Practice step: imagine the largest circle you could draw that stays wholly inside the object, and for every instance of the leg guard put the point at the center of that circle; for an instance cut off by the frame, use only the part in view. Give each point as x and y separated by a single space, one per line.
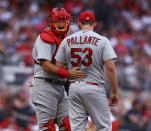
65 124
50 126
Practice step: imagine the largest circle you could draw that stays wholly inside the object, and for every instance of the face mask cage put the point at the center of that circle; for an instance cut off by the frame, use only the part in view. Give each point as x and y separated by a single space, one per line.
60 21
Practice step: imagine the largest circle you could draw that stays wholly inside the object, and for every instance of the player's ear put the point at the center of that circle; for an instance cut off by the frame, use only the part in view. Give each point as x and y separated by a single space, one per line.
94 24
79 24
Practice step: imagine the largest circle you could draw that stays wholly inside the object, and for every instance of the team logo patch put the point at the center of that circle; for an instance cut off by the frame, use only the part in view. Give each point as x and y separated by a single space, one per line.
87 18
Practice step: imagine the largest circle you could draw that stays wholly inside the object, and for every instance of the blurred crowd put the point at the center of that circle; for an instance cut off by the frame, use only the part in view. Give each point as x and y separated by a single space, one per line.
127 23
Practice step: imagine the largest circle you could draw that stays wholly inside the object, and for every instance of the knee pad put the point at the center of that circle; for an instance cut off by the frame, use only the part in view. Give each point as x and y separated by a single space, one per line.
50 126
65 124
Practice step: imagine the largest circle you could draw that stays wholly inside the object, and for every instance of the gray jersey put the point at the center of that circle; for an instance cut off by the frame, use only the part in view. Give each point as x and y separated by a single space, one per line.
45 51
89 51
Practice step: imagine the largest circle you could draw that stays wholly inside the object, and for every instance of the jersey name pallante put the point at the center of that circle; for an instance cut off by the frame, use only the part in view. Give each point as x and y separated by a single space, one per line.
87 40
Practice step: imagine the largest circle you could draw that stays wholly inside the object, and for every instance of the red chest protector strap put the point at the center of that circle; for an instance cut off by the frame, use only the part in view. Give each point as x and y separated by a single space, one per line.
48 37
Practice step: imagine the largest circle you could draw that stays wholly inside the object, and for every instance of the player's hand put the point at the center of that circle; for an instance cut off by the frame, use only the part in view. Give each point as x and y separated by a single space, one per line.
75 73
114 98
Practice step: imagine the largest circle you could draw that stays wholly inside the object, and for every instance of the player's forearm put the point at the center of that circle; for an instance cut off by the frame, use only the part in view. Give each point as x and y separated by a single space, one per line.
53 69
49 67
61 65
112 76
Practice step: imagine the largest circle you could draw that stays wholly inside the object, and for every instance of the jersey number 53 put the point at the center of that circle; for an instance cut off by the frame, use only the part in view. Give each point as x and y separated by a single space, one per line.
86 54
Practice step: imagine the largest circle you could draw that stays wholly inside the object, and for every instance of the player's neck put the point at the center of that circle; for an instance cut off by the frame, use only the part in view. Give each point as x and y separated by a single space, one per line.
87 27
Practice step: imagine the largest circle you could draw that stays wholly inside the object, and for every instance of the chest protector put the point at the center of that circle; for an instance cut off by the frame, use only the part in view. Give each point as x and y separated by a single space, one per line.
48 37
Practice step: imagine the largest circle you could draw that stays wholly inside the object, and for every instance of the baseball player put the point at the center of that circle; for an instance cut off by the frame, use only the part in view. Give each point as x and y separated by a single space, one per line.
93 53
47 94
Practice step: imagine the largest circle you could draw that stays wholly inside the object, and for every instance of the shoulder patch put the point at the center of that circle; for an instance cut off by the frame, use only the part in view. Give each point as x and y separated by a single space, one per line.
47 37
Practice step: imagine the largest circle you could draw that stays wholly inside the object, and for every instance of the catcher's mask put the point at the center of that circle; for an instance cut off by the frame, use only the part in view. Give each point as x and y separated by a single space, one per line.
59 21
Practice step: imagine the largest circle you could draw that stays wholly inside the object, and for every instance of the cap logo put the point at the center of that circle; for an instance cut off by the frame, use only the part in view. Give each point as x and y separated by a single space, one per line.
87 18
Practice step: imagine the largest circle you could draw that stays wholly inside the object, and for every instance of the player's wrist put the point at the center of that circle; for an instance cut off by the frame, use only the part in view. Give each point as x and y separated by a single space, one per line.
70 74
114 92
62 72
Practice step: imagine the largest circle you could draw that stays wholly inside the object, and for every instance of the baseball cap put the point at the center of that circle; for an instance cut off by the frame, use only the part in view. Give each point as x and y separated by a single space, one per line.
86 16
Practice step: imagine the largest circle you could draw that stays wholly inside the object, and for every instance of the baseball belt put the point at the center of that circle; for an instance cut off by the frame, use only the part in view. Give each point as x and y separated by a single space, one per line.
57 82
87 82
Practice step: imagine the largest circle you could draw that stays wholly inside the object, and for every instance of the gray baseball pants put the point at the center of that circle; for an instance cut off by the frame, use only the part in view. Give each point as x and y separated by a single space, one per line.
50 100
88 100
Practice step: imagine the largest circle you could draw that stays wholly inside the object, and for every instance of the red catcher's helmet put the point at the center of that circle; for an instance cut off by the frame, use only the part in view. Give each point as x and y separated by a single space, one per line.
59 21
